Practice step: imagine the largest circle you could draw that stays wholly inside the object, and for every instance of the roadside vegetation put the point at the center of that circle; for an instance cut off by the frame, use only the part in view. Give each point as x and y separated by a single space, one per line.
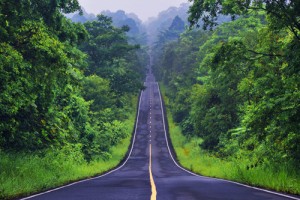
191 156
66 95
67 90
24 174
234 92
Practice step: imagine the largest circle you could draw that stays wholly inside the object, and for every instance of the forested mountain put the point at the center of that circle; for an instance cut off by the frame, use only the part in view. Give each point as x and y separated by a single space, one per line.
136 33
81 17
237 87
120 18
164 20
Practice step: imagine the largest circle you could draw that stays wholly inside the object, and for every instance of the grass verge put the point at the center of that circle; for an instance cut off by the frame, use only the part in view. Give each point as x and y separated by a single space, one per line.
22 175
280 177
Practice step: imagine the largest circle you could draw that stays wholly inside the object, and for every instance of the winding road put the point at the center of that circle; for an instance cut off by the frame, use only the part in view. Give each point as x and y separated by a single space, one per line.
150 171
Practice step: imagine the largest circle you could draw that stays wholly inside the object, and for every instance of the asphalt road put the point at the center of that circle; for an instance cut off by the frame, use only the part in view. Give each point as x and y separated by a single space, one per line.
150 171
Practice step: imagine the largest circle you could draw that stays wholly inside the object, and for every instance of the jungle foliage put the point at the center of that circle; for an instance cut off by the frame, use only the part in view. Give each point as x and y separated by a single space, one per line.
237 86
63 84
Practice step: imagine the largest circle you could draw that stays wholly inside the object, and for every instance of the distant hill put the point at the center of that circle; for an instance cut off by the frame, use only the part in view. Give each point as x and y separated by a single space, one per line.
137 32
164 20
120 18
151 30
76 17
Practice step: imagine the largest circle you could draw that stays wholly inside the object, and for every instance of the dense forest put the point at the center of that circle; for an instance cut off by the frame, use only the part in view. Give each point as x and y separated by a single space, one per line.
60 81
66 89
69 83
237 86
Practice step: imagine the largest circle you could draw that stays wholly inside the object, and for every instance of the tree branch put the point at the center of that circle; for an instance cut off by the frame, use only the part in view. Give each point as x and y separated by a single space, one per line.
265 54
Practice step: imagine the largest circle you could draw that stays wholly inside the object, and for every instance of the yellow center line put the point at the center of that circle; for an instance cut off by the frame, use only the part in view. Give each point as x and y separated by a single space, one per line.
153 187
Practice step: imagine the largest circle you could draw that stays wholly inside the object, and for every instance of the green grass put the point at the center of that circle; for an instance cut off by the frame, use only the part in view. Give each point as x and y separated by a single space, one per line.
280 177
22 175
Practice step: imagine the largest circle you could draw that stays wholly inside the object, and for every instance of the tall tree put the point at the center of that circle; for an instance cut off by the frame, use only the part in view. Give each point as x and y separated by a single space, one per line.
282 13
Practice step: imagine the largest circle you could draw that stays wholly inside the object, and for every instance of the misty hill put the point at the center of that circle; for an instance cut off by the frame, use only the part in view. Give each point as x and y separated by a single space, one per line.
151 31
120 18
76 17
164 20
137 32
172 33
157 26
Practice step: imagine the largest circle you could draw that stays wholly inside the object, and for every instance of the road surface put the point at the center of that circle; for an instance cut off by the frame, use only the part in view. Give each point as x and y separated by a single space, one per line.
150 171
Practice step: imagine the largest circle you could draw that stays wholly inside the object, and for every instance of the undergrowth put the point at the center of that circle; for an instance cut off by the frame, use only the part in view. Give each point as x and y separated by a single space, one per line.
274 176
25 174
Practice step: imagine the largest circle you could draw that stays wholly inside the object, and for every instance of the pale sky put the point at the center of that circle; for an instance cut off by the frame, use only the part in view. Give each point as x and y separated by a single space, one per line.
143 8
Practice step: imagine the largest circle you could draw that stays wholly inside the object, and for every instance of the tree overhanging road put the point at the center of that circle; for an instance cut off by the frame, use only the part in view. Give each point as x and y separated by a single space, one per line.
150 171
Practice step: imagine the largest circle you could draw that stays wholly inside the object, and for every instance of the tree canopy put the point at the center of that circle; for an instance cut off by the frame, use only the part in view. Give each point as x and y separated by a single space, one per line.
236 86
63 83
282 13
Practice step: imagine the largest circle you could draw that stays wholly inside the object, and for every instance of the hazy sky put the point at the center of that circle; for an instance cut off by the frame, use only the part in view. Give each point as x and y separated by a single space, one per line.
143 8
